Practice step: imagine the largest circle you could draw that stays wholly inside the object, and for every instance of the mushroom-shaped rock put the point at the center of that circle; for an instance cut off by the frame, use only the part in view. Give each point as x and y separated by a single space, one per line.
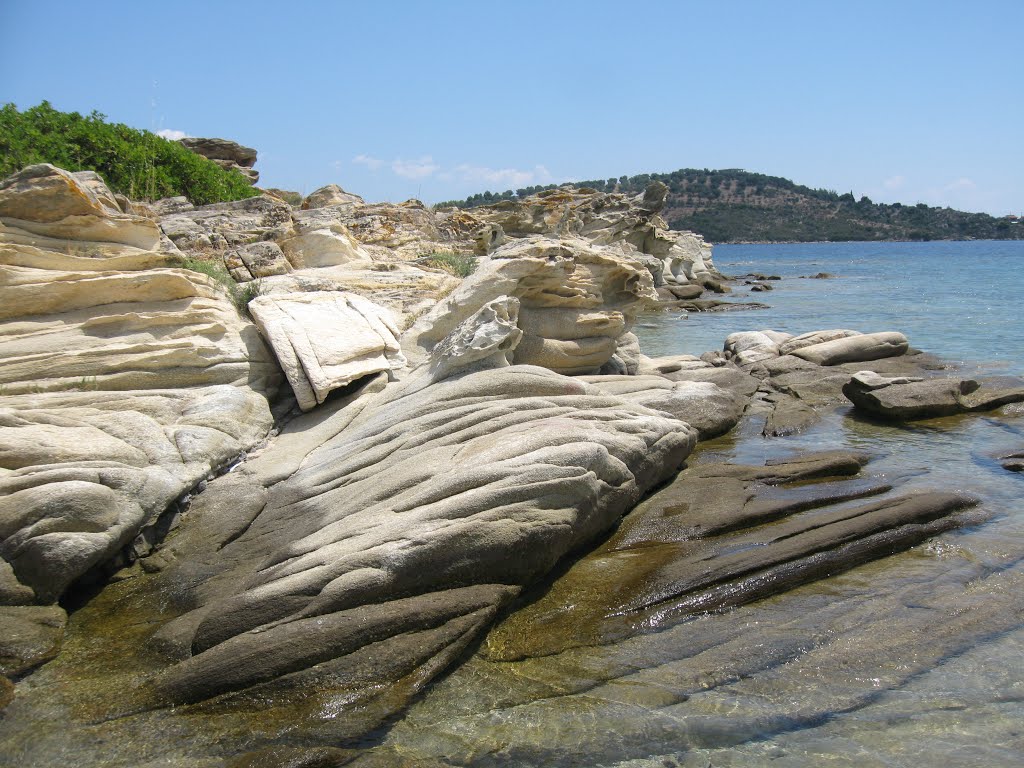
576 301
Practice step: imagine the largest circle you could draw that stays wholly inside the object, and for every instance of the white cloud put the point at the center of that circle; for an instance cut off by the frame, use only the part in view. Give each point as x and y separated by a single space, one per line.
415 169
894 183
508 178
171 135
962 194
370 162
963 183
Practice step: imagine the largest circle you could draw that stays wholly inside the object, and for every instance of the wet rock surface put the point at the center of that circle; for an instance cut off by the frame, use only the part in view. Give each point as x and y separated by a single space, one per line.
436 570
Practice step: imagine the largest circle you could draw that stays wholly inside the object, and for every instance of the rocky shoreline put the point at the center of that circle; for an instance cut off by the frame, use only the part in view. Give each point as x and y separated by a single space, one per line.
412 455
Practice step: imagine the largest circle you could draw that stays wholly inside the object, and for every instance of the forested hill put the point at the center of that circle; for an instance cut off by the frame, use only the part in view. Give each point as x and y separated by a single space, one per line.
739 206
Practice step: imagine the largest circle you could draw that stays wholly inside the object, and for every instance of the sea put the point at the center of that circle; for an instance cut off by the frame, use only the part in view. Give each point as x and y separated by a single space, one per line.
914 659
959 300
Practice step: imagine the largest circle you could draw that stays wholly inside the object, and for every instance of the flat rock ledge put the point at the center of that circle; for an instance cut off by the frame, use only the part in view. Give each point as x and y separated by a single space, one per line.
908 398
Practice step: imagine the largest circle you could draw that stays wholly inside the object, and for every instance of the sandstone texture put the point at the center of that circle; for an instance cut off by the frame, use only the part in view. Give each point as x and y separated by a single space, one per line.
576 302
125 381
483 480
42 200
267 589
326 340
630 224
330 195
229 155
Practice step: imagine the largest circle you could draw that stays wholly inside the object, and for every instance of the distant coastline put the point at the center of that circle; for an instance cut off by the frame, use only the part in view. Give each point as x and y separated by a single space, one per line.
737 206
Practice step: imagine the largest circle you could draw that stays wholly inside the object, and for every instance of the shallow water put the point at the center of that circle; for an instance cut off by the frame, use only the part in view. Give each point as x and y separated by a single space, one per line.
959 300
914 659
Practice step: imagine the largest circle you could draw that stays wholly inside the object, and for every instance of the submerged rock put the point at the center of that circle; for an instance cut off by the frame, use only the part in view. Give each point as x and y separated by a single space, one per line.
723 535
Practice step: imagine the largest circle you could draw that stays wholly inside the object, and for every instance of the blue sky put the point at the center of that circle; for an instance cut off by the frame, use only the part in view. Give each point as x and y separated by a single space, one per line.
901 101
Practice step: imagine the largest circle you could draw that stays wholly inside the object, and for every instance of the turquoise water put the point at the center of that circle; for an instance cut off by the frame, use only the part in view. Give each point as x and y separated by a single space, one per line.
959 300
912 660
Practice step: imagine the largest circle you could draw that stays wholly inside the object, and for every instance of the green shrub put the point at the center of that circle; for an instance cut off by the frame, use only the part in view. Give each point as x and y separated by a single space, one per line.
459 264
138 164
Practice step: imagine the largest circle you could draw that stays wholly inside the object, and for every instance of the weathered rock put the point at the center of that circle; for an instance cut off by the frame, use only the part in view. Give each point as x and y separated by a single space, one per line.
723 535
747 348
814 337
229 155
221 149
111 323
50 202
728 377
332 194
406 290
630 224
125 382
256 260
705 406
1013 462
319 239
670 364
576 301
486 340
903 399
220 225
29 636
855 349
84 472
325 341
687 291
483 480
788 415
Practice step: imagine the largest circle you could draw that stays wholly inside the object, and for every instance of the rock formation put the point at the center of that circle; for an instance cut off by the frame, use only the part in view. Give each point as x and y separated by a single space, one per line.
229 155
577 301
326 340
308 594
125 381
630 224
905 398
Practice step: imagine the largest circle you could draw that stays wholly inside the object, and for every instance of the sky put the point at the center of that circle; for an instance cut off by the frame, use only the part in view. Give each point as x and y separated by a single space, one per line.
902 101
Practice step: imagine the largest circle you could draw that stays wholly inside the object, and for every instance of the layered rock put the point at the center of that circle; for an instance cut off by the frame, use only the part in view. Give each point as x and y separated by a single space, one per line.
222 225
631 224
318 238
229 155
125 381
326 340
724 534
577 301
45 201
427 507
330 195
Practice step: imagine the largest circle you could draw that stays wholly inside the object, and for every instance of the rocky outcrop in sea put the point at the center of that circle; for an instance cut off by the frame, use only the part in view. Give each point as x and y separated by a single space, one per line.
285 470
